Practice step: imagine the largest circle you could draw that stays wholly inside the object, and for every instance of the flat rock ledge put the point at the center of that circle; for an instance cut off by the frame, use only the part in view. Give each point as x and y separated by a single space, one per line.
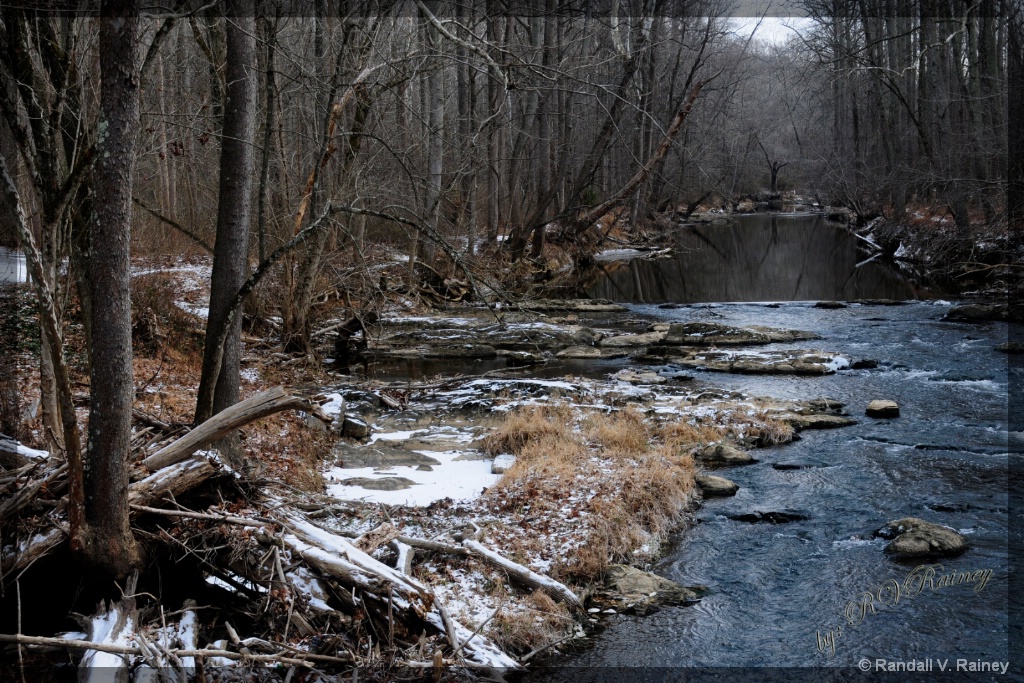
913 537
724 455
716 487
382 484
781 362
635 591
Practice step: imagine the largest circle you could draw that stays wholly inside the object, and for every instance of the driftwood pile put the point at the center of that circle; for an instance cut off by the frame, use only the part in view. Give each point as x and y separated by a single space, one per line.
320 598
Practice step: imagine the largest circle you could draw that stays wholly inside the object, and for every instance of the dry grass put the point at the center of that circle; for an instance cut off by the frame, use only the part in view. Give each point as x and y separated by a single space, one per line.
529 426
614 483
536 621
769 431
684 435
622 432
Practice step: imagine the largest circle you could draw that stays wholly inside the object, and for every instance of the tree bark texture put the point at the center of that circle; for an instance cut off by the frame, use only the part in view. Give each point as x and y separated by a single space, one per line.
231 250
107 543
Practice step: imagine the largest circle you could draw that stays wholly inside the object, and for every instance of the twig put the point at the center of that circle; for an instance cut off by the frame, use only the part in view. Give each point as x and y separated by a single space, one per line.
203 515
478 629
295 657
540 649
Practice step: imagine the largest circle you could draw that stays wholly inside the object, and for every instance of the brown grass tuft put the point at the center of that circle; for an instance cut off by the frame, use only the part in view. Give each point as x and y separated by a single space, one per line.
769 431
622 431
684 435
530 426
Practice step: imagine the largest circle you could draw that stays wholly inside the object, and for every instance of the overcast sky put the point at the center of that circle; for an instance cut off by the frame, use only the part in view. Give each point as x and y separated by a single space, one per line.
772 29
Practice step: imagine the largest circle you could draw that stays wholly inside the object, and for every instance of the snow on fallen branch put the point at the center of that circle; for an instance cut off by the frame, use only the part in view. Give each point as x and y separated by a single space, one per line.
556 590
251 409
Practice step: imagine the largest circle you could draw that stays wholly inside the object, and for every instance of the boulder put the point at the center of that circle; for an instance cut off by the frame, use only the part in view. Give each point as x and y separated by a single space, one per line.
640 592
879 302
522 358
864 364
781 362
712 334
976 313
830 304
354 428
712 486
460 351
502 463
771 517
576 305
882 408
724 455
913 537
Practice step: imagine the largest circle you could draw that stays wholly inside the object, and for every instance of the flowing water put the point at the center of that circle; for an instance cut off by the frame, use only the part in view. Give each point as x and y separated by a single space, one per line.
807 593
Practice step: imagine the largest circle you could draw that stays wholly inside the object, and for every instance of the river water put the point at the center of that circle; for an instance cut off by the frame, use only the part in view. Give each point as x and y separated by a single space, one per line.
782 595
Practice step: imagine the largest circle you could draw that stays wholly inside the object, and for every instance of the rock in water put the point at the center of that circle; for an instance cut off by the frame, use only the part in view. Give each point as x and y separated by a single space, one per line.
883 408
830 304
913 537
642 592
724 455
712 486
771 517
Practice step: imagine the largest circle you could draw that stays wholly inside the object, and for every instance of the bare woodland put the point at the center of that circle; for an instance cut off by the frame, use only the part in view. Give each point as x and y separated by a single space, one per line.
302 145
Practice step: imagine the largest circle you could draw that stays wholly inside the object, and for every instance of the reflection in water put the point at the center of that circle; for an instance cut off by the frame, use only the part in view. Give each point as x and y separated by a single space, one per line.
756 258
12 267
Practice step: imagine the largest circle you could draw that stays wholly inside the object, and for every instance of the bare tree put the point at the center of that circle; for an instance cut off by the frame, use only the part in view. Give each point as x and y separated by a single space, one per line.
231 254
106 540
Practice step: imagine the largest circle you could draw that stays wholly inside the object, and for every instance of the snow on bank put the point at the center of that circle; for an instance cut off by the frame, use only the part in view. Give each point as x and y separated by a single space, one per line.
452 478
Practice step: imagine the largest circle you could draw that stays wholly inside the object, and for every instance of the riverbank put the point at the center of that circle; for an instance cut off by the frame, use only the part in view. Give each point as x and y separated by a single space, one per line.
983 261
599 469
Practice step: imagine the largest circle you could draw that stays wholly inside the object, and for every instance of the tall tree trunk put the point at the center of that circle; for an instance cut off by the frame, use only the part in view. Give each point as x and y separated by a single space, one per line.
269 123
231 255
108 544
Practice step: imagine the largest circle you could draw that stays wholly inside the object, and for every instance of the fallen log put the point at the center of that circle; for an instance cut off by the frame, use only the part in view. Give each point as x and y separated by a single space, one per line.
13 455
336 557
27 493
223 423
114 626
524 575
174 480
339 557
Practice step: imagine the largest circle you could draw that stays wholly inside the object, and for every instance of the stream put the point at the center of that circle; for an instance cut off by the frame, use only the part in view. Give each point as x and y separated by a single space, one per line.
792 595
